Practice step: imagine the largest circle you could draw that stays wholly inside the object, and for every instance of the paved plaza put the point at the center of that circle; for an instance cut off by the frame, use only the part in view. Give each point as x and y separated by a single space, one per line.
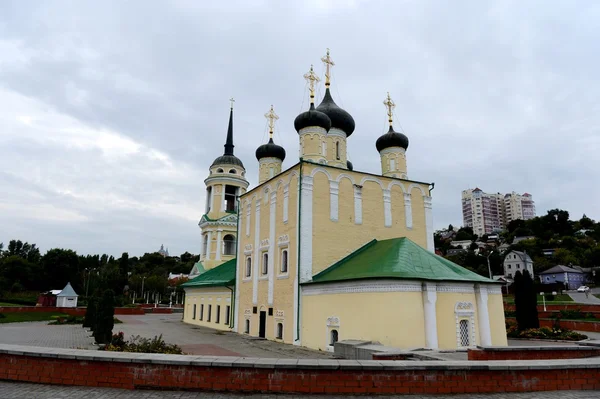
193 340
28 391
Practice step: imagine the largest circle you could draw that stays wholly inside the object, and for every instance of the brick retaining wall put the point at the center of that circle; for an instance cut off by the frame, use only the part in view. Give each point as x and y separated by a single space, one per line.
577 325
143 371
69 311
532 353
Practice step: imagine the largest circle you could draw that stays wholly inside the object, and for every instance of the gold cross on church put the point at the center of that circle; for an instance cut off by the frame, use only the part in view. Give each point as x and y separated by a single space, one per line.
328 64
272 117
312 79
389 104
231 100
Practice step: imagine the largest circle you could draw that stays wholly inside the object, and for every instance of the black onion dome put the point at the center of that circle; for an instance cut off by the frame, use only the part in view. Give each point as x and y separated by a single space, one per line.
339 118
349 165
227 160
391 139
270 150
312 117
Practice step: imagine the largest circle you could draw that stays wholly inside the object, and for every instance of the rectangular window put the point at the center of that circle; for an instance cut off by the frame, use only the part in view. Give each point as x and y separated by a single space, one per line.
284 261
248 266
218 315
201 311
392 164
227 311
194 312
324 148
271 171
209 312
265 263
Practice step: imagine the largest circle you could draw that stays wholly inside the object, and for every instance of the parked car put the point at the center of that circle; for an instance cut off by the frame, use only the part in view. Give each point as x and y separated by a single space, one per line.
583 288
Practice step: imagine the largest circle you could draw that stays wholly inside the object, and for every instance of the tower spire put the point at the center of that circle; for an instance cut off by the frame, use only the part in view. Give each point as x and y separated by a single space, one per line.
328 64
312 79
229 142
272 117
390 105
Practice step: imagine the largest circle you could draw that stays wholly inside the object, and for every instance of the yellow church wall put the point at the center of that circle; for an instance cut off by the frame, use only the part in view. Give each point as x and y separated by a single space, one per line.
446 318
326 232
285 237
497 322
217 298
311 143
364 316
331 151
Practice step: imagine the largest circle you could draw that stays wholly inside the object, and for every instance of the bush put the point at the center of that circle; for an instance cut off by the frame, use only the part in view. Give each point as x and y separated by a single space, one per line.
91 313
66 320
543 333
142 345
105 320
550 297
2 316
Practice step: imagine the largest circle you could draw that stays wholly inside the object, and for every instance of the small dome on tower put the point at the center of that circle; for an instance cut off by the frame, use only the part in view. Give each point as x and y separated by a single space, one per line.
227 160
349 166
339 118
270 150
391 139
312 117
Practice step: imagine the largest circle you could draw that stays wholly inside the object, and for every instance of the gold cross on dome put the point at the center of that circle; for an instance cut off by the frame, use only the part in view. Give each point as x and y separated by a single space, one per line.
231 100
272 117
389 104
312 79
328 64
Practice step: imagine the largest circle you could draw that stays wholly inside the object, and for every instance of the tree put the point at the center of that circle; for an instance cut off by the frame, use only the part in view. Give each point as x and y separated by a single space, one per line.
91 314
520 301
530 303
106 318
450 227
60 266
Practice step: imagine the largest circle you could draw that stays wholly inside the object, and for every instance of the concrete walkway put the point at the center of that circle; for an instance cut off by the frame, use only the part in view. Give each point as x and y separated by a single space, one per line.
580 297
28 391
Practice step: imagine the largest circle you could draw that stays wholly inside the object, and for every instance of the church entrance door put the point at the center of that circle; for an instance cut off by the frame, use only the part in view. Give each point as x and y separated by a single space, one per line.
262 327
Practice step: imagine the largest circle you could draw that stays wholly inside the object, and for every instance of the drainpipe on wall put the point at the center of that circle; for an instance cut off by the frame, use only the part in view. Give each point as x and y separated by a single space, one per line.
431 187
299 249
232 311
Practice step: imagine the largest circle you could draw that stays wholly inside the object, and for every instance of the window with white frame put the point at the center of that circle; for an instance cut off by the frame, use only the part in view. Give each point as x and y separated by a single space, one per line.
464 333
194 312
248 266
265 263
392 164
227 312
271 171
279 330
229 245
284 261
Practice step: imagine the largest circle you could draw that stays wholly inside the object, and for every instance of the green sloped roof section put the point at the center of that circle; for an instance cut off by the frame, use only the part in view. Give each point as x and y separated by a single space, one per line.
220 276
396 258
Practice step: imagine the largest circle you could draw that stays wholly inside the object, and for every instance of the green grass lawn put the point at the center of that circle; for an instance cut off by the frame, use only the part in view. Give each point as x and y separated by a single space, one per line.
8 304
558 299
597 296
28 316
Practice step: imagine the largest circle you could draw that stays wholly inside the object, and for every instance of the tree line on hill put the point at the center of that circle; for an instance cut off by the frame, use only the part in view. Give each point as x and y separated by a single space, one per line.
24 272
555 240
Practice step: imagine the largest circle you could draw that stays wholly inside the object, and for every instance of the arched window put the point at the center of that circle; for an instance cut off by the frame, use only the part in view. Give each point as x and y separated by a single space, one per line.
247 329
337 150
464 333
279 330
219 170
232 171
271 171
248 266
205 246
265 263
392 164
229 245
333 337
284 261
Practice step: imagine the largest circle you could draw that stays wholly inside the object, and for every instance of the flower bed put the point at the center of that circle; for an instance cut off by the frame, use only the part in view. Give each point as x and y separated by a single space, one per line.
562 334
142 345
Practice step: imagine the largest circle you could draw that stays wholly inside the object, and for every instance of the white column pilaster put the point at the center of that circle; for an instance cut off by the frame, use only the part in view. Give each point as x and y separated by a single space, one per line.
306 229
387 208
222 198
256 260
408 210
208 244
212 198
201 245
429 304
485 332
219 244
357 205
429 222
334 190
272 216
248 211
286 200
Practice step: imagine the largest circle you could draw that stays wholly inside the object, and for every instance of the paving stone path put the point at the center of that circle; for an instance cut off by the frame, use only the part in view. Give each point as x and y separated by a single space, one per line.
29 391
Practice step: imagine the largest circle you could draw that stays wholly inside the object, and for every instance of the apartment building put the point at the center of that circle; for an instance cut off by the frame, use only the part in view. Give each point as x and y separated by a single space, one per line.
486 213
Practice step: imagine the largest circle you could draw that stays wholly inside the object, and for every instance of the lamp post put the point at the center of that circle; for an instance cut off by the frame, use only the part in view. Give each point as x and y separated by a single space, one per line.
488 262
143 278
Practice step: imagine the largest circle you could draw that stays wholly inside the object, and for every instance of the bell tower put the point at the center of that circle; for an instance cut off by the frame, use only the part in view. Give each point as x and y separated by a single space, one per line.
225 183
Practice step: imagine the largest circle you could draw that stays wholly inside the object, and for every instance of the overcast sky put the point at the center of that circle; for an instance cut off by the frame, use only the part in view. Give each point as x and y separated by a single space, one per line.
112 111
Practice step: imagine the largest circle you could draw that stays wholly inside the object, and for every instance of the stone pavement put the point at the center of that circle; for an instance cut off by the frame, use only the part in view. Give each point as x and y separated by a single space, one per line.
15 390
39 333
580 297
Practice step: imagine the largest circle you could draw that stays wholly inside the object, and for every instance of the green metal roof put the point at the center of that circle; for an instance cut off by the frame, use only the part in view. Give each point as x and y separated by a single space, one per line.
396 258
222 275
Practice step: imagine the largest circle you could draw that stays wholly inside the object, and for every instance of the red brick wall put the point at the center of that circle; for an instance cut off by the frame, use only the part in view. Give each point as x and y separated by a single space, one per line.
591 326
574 306
490 354
69 311
133 375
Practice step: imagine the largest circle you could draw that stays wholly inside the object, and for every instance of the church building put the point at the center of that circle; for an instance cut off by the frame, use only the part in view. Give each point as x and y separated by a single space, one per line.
320 252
